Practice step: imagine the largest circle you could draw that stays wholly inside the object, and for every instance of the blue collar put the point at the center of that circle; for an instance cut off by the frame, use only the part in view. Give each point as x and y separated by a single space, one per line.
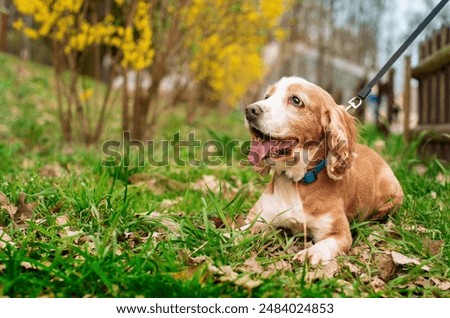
311 175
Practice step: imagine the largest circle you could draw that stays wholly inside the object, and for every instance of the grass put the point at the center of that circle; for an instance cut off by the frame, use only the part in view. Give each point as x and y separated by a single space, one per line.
94 232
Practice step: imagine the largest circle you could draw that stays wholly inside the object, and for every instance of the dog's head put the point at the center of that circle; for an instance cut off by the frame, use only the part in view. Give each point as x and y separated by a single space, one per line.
294 117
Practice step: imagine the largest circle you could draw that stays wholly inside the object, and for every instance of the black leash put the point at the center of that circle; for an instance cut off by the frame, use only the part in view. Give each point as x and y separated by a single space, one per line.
356 101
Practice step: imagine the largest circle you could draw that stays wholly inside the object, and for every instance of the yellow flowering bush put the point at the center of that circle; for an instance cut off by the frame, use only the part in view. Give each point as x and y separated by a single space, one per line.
226 39
65 22
220 41
77 28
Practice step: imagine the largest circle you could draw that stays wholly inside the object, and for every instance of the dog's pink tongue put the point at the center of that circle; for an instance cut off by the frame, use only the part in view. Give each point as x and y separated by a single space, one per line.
259 150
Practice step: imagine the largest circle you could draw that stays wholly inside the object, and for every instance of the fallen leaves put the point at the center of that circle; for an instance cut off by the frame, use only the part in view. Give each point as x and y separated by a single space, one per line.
247 282
167 203
433 247
377 284
21 213
51 171
329 270
386 267
442 285
156 183
24 210
5 239
401 259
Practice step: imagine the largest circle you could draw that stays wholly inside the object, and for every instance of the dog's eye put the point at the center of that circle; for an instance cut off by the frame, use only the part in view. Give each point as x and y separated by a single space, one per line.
294 100
266 96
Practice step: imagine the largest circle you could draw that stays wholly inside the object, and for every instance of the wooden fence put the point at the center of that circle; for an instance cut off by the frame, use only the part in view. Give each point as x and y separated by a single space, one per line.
433 74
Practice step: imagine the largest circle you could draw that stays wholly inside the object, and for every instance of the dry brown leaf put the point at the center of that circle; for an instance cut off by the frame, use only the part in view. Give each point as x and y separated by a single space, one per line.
228 274
442 285
51 171
186 257
24 210
188 273
272 269
20 213
3 199
269 272
28 164
5 239
8 206
62 220
401 259
282 265
11 209
327 271
422 282
251 265
433 246
213 269
346 287
247 282
85 239
27 265
167 203
198 259
67 232
362 252
417 228
354 269
377 284
386 266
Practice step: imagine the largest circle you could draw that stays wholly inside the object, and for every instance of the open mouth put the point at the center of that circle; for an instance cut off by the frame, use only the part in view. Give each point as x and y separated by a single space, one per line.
264 146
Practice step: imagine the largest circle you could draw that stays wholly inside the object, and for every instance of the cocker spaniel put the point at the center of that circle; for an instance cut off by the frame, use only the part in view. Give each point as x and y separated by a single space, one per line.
322 178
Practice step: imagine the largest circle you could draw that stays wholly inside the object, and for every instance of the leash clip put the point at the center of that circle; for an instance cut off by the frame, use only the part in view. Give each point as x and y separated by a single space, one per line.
354 103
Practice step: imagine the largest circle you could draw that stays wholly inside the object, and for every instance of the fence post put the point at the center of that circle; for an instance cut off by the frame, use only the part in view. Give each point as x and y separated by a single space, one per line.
407 97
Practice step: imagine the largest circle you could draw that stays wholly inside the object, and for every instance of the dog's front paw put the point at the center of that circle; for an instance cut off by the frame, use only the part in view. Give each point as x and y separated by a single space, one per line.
316 254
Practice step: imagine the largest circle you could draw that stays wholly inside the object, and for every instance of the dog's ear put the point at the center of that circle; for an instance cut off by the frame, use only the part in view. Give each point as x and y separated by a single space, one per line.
340 136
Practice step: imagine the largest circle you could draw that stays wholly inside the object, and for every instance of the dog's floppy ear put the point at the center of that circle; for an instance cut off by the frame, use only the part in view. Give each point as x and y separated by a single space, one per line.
340 135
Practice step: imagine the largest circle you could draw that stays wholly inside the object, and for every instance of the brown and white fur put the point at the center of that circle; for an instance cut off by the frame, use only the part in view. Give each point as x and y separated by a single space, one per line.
356 183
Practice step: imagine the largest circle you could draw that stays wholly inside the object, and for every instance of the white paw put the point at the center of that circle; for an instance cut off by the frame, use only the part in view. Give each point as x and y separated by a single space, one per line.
315 255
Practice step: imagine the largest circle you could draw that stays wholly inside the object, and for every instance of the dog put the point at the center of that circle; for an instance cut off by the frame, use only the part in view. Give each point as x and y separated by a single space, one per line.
322 178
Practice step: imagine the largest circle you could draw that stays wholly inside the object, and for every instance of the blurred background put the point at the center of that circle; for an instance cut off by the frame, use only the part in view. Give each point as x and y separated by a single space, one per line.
143 58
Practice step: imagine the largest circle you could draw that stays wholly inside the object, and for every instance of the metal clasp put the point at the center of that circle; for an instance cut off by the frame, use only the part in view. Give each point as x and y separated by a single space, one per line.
354 103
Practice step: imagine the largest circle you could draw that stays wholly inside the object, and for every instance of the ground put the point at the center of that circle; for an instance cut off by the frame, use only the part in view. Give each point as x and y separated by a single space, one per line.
71 227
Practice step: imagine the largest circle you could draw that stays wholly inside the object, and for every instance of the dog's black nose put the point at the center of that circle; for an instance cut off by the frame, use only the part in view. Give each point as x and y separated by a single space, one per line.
252 112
